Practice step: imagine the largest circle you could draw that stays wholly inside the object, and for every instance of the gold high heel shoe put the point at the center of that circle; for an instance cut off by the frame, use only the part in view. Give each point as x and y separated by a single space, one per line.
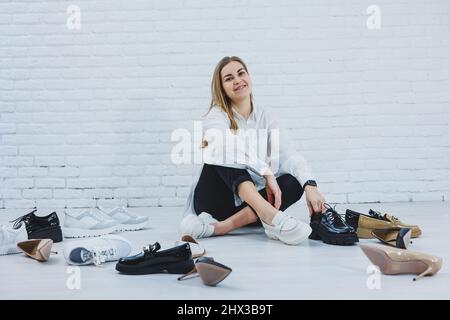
395 237
397 261
38 249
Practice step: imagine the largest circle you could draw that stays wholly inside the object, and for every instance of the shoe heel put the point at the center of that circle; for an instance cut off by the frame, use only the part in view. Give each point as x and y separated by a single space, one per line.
181 267
364 233
314 235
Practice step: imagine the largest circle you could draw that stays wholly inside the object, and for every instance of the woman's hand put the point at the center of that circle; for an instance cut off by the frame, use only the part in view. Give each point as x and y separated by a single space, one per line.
314 200
273 191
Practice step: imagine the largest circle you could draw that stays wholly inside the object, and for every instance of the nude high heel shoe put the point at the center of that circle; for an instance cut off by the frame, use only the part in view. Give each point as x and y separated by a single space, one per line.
38 249
210 271
395 237
392 260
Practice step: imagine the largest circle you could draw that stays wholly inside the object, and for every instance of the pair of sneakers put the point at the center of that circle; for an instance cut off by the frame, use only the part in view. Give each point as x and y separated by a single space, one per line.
283 227
92 223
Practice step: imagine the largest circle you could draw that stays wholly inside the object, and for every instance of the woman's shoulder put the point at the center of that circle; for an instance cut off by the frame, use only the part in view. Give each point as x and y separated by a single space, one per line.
215 114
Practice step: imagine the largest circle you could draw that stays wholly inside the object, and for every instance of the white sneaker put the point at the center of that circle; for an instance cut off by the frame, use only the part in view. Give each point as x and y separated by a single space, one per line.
195 227
9 237
87 223
126 221
207 218
287 229
96 251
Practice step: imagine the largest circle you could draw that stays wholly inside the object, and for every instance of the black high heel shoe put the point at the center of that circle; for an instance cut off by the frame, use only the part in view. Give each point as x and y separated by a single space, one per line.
394 237
210 271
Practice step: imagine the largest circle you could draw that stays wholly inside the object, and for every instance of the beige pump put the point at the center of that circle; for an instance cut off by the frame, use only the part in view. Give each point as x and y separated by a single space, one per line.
392 260
38 249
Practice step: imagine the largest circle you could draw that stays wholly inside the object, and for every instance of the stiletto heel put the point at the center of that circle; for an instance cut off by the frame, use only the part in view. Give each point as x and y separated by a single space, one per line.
426 272
392 260
210 271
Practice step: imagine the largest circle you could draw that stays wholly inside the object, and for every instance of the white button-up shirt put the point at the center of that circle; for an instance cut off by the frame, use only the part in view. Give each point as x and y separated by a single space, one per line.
274 153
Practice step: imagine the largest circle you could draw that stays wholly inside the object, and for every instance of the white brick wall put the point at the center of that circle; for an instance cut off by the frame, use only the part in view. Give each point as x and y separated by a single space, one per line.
86 115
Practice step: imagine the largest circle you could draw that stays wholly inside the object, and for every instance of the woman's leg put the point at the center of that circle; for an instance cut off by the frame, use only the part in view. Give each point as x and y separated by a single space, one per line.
215 194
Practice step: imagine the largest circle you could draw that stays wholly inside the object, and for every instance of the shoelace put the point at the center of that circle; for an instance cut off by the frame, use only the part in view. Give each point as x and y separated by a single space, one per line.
17 222
101 255
333 214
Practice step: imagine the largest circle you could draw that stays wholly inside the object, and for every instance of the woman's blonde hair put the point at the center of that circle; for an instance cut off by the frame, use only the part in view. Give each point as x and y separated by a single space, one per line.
218 95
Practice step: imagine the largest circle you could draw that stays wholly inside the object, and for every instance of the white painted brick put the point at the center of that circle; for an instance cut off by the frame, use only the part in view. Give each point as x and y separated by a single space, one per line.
49 161
158 192
51 205
19 204
97 193
172 201
52 183
129 193
6 172
32 172
177 180
67 193
81 203
10 194
109 203
144 181
37 193
64 172
143 202
19 183
18 161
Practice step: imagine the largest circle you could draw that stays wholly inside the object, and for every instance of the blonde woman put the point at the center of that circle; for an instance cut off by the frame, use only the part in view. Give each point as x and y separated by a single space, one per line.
238 187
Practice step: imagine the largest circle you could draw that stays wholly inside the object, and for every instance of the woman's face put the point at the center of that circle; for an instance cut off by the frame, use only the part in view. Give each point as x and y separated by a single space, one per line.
235 81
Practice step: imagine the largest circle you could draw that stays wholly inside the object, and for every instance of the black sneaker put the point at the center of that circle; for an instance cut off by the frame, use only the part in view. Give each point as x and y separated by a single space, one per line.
332 229
40 227
176 260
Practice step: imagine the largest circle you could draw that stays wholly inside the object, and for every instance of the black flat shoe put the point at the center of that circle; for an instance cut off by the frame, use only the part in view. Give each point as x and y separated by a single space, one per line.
210 271
177 260
331 228
47 227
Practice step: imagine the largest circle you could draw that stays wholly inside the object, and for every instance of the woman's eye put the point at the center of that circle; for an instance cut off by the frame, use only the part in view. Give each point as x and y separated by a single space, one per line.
241 73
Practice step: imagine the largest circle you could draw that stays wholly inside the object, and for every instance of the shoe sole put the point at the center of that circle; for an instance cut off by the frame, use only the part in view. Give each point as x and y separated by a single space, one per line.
294 242
366 233
333 239
211 275
389 266
131 227
54 233
9 249
87 233
181 267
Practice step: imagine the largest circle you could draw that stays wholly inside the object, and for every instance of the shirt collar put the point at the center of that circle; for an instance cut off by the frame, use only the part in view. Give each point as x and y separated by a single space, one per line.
252 115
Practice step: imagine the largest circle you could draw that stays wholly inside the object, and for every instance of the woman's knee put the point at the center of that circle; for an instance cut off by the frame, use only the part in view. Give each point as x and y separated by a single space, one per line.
290 187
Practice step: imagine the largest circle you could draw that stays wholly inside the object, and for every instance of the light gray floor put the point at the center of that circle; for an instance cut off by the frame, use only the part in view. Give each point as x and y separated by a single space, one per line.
262 268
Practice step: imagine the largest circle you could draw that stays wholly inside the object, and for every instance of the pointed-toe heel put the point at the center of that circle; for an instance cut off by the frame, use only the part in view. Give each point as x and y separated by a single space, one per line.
392 261
38 249
395 237
210 271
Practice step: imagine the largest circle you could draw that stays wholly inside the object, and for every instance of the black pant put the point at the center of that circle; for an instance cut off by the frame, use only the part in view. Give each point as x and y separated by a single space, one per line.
215 190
